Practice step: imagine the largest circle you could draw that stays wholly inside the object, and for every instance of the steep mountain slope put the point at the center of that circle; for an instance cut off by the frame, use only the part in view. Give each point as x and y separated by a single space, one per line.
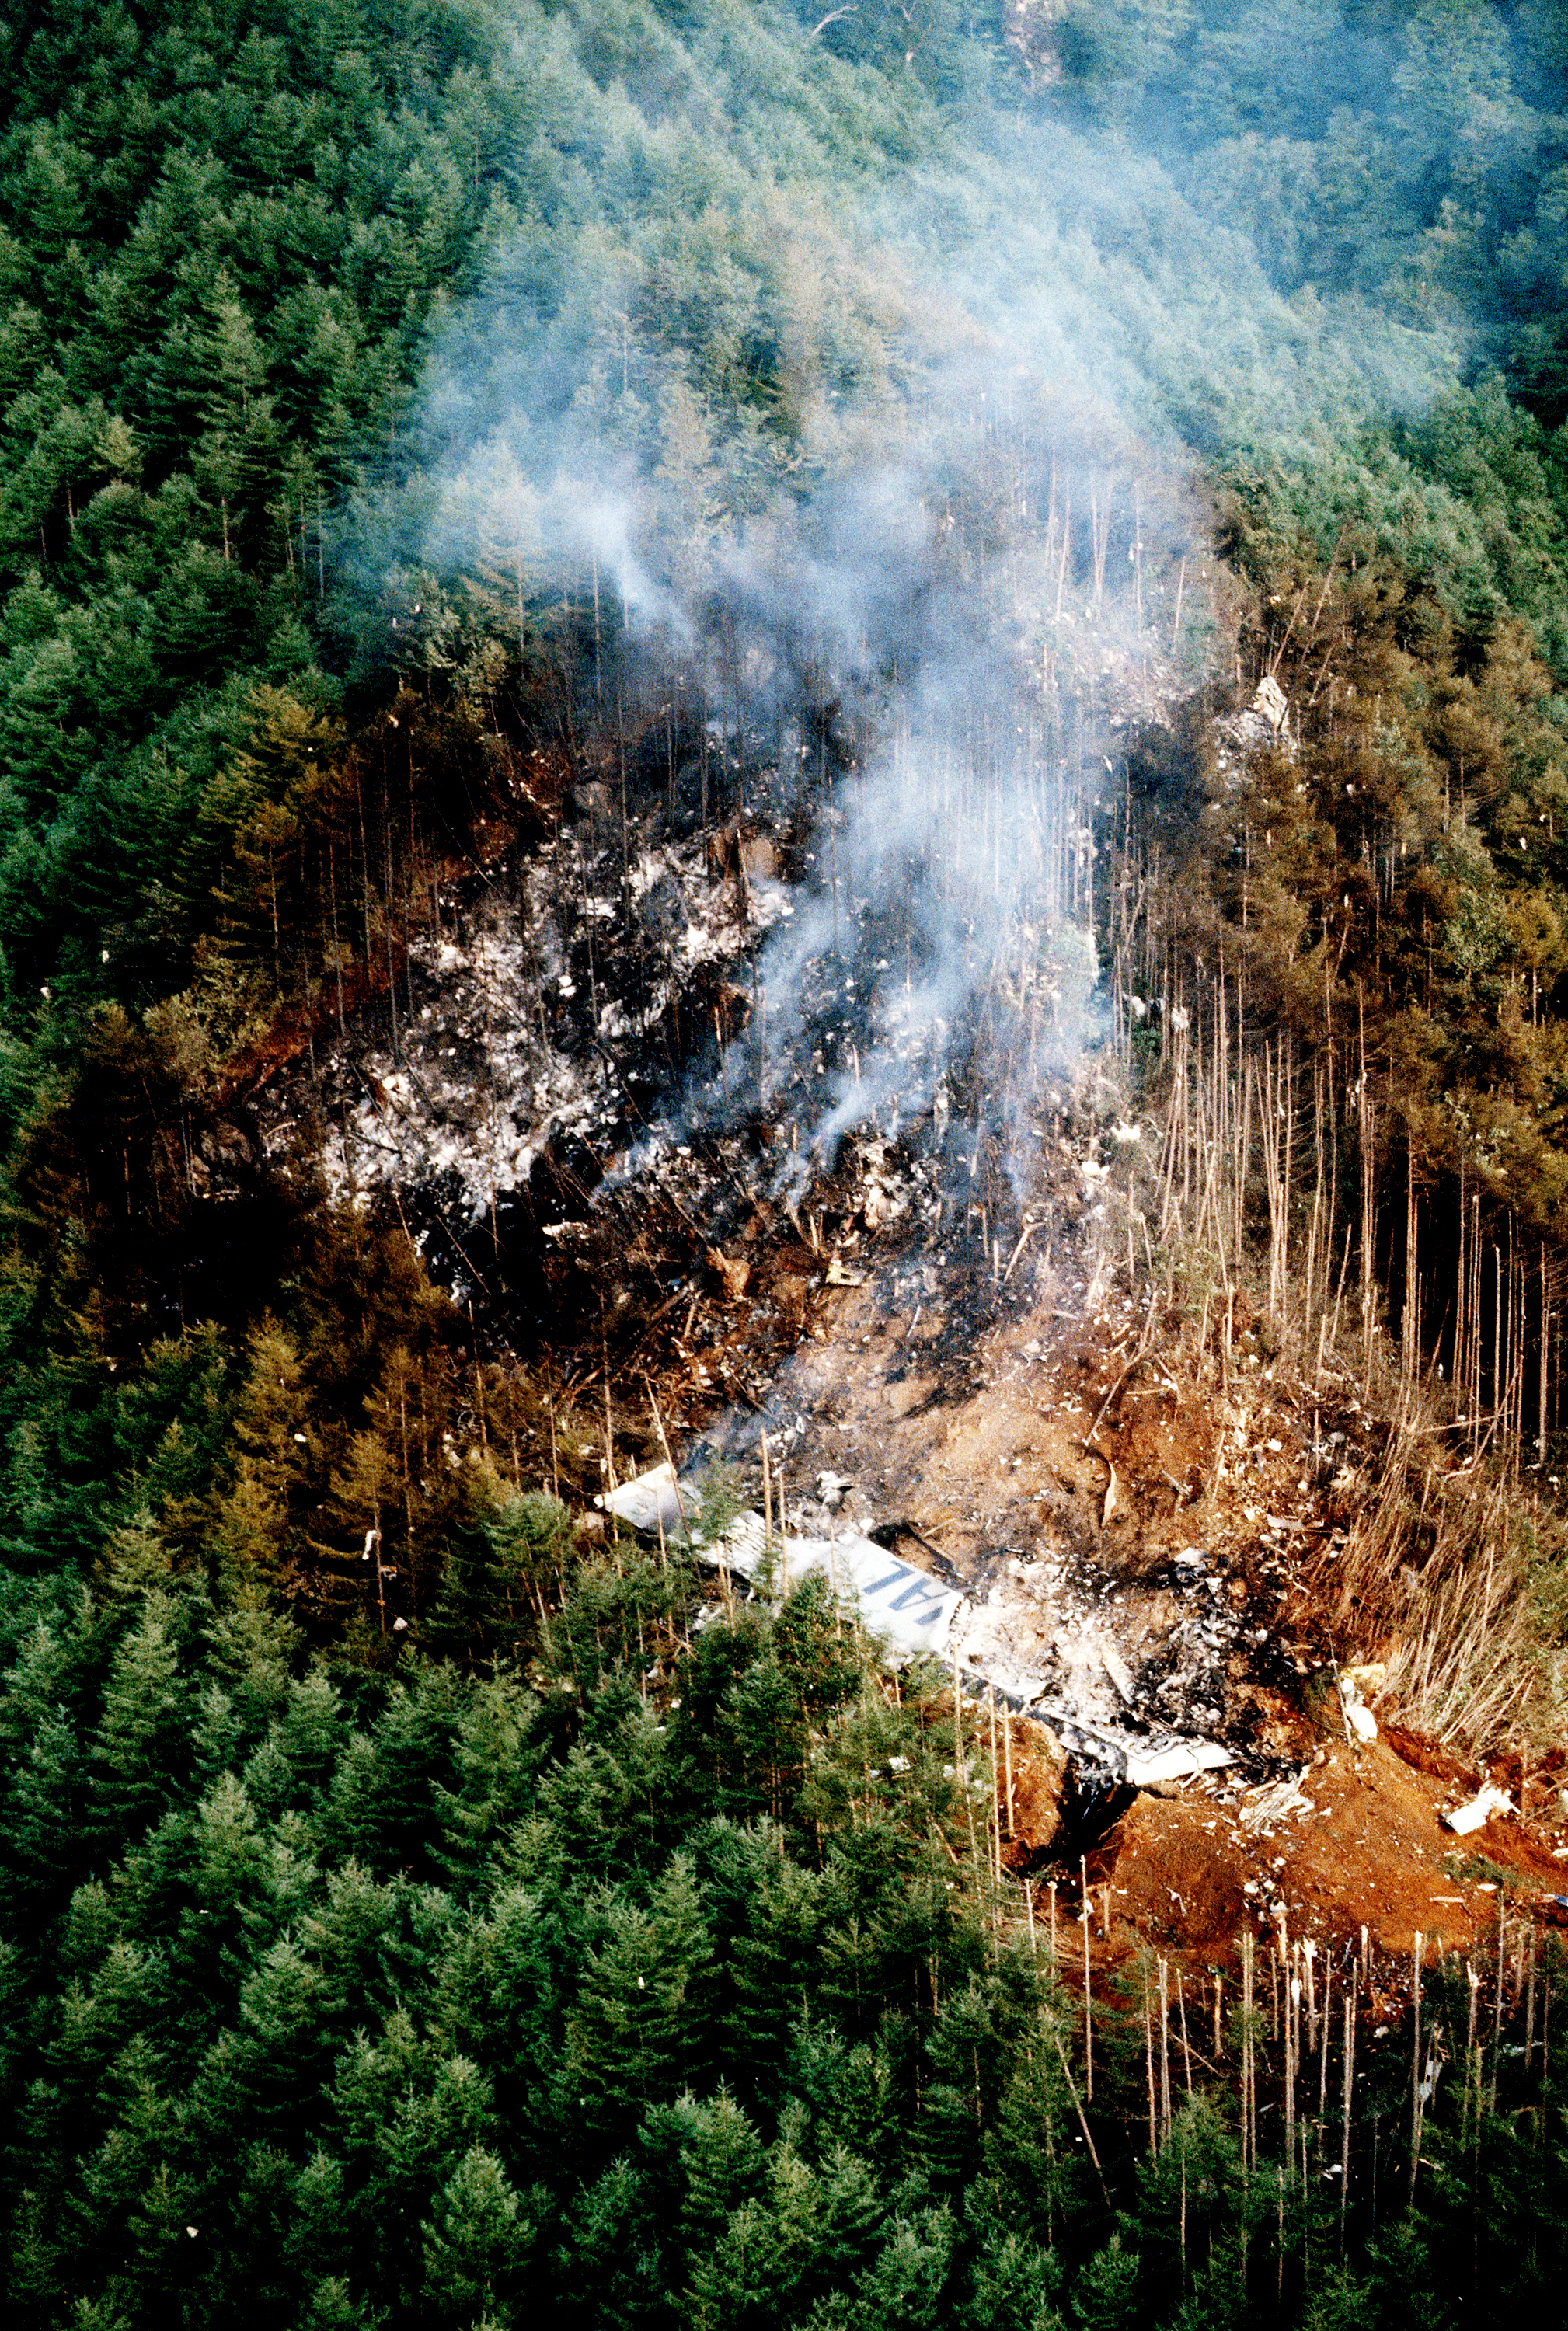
833 746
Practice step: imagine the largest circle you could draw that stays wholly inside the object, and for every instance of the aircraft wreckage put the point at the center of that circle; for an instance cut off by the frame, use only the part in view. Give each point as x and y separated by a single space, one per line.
907 1610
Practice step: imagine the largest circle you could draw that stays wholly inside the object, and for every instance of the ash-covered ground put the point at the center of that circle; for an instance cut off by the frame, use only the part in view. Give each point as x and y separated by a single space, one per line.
825 1141
943 1312
1124 1531
943 1319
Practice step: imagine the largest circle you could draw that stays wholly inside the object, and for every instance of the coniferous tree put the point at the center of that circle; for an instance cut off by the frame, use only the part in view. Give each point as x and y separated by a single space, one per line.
141 1733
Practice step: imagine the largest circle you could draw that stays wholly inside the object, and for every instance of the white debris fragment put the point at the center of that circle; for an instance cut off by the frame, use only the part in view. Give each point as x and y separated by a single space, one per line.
652 1500
1265 1806
1465 1819
1358 1717
908 1609
1117 1668
1269 699
1144 1764
1147 1768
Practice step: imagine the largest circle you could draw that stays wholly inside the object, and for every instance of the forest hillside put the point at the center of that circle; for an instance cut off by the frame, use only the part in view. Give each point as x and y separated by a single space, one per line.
820 748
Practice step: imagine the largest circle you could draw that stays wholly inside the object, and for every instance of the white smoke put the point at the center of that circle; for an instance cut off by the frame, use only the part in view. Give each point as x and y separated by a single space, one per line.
976 556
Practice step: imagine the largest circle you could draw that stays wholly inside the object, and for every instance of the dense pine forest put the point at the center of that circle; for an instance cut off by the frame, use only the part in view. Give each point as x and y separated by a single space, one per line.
442 438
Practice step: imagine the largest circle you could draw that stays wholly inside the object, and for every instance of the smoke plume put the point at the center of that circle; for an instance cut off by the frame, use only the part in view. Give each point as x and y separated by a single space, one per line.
915 587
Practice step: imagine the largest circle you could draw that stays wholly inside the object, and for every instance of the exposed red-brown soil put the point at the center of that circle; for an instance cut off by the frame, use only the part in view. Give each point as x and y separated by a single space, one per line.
998 1427
1183 1873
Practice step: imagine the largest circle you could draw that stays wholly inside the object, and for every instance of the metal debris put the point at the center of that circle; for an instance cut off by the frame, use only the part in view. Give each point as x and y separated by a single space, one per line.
653 1502
906 1609
1147 1768
1274 1803
1117 1668
1359 1719
1466 1818
909 1610
1139 1763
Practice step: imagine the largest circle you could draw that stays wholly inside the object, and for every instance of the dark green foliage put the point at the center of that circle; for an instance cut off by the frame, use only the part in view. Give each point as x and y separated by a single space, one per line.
474 1943
496 1574
393 2022
224 237
350 1999
268 279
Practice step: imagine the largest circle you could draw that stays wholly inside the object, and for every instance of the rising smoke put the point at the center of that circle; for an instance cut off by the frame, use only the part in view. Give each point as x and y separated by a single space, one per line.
916 602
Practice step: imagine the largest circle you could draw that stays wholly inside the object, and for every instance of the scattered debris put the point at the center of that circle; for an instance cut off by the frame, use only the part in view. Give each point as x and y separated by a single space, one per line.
616 1098
1275 1802
1148 1767
1466 1818
1117 1668
1136 1764
653 1503
1359 1719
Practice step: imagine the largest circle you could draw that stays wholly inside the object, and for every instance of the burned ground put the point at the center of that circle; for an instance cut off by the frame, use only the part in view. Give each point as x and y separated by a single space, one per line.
954 1338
